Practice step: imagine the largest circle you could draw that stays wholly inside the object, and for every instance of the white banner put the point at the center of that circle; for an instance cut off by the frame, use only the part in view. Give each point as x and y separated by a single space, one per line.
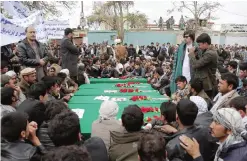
16 9
231 28
55 29
9 26
10 33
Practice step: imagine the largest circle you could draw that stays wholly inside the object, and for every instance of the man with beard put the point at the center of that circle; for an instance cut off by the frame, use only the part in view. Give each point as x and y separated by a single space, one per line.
33 53
28 77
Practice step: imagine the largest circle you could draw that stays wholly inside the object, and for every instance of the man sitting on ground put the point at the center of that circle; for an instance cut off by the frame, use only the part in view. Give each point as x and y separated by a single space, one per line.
123 144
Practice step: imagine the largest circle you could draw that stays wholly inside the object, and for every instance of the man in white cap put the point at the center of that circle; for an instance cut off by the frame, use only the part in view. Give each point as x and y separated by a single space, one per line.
120 50
226 126
28 77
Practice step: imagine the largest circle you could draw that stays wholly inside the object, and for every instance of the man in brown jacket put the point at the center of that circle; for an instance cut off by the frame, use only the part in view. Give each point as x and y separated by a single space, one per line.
204 63
120 50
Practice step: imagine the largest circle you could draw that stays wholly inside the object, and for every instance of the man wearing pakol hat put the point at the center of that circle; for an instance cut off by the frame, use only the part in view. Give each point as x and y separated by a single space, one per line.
33 53
9 80
28 77
227 126
120 50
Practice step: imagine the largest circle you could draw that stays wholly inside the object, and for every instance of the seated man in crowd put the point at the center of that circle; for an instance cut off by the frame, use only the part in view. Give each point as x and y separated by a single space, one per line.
95 70
226 127
227 91
123 144
138 71
15 129
28 77
183 89
107 71
7 81
68 153
53 108
68 83
161 79
186 114
240 103
34 105
196 89
232 67
9 98
167 115
64 130
243 90
152 147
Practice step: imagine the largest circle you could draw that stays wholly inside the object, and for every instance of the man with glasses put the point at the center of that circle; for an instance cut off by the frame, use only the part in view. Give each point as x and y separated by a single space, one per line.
182 64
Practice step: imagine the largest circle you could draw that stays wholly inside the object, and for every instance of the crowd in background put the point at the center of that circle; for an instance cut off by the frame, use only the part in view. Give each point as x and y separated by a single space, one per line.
205 118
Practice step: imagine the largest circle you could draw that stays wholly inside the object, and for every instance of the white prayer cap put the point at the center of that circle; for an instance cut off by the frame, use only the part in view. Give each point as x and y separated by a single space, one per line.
117 41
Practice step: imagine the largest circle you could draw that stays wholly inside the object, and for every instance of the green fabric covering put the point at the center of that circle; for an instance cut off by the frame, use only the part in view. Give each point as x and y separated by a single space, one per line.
92 113
99 92
84 99
108 80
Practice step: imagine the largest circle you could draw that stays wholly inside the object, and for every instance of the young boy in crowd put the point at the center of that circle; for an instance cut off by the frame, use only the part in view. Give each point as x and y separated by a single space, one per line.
182 91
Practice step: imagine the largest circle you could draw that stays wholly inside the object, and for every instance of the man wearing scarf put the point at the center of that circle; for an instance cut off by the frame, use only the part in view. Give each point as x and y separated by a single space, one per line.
227 126
182 65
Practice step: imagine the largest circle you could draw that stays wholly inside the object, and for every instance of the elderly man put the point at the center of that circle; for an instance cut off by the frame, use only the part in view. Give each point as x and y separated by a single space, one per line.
120 50
28 77
33 53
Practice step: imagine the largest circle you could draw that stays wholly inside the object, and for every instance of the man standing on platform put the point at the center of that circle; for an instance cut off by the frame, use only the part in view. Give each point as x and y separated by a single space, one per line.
69 53
33 53
182 64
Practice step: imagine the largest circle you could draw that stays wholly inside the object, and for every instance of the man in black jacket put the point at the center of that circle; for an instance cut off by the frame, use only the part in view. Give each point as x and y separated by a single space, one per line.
15 129
34 106
186 115
33 53
64 130
69 53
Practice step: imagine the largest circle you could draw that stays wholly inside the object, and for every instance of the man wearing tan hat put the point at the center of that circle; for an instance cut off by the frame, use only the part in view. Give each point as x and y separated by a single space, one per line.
28 77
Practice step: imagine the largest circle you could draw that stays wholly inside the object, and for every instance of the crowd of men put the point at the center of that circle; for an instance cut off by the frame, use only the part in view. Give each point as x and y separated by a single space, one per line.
205 119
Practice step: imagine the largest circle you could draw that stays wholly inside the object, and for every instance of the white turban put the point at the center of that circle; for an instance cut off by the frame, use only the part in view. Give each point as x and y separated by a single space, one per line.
108 109
11 73
117 41
66 71
200 103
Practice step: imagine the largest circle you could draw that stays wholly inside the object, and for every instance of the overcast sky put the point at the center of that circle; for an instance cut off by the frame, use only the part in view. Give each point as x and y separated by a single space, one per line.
230 12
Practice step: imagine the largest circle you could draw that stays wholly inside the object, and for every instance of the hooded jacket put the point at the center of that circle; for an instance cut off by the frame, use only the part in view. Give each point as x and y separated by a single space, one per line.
123 145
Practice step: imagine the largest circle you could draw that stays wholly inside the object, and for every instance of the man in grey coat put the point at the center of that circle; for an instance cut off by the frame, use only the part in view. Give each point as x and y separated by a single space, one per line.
69 53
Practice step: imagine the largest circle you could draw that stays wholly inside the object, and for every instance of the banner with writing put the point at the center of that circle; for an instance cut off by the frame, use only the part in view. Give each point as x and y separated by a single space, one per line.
55 29
10 33
231 28
16 9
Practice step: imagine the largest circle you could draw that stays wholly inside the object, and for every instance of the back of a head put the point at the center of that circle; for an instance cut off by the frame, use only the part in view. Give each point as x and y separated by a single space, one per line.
5 79
151 147
67 31
36 90
53 108
132 118
187 112
68 153
50 81
233 64
197 85
231 79
7 94
159 71
12 124
239 103
243 66
64 129
168 110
